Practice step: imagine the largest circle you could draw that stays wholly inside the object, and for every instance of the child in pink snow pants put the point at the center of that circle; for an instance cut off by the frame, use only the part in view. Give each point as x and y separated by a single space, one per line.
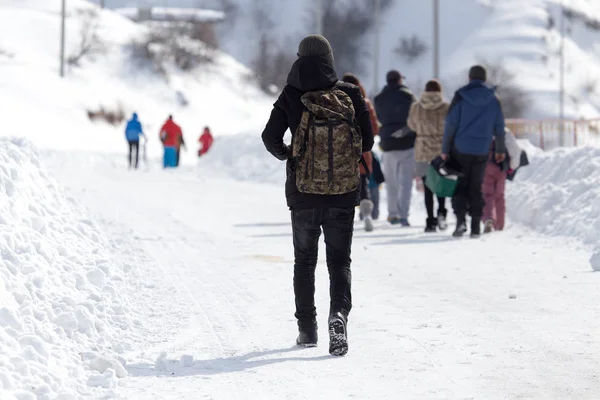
494 184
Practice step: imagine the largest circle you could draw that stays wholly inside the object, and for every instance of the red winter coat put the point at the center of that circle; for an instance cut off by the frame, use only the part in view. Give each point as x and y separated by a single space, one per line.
171 134
206 141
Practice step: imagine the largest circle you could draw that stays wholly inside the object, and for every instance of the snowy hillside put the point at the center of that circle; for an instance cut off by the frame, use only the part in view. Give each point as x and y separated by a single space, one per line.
53 112
523 36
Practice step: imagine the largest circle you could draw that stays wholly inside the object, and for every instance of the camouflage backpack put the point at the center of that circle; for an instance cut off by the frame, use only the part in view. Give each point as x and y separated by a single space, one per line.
327 145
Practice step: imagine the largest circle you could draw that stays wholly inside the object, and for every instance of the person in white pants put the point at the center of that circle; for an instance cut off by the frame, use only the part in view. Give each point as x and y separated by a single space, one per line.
397 142
398 167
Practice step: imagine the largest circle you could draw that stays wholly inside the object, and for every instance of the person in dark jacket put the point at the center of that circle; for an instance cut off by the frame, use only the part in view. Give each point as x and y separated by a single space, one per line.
313 71
475 118
398 144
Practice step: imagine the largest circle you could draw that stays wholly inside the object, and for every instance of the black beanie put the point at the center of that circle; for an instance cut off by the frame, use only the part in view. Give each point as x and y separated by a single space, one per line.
315 45
478 73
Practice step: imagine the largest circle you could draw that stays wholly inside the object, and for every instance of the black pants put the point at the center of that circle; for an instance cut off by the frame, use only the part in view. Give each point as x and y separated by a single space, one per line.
468 196
429 202
338 227
134 145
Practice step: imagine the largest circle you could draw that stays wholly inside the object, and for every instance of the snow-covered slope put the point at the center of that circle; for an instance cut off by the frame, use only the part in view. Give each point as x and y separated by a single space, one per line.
522 35
62 318
53 112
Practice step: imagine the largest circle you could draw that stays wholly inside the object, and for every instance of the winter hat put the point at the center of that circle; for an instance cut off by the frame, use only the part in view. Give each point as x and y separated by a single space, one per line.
478 73
433 86
315 45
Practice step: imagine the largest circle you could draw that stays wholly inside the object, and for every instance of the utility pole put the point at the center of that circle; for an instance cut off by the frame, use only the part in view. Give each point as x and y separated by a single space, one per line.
319 16
62 39
102 3
562 74
436 39
377 46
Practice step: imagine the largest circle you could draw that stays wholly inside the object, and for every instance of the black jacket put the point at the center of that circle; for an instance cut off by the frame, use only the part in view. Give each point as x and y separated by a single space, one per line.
310 74
392 106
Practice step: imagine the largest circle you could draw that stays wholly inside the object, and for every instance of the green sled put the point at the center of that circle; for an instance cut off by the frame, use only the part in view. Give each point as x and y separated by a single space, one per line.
442 186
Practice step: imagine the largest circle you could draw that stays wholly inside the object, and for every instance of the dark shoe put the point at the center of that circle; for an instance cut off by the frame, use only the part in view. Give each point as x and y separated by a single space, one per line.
475 227
461 229
489 226
404 222
475 235
431 225
394 220
307 339
338 336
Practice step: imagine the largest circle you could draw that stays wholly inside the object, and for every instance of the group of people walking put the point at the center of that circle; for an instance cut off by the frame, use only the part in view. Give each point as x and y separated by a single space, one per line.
171 137
331 168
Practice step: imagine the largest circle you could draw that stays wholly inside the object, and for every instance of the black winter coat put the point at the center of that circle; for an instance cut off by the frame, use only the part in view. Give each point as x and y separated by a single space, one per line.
310 74
393 106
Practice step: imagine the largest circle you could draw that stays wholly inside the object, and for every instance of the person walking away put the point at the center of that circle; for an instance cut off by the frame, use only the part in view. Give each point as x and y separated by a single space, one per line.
366 203
474 119
133 131
206 141
171 137
494 183
325 117
397 142
426 118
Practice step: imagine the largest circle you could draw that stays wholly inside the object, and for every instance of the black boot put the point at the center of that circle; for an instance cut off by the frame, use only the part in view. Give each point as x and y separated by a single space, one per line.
475 228
461 228
307 339
307 336
431 225
338 334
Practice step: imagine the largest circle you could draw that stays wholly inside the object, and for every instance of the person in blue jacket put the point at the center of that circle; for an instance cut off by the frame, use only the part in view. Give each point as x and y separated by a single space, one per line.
133 131
474 119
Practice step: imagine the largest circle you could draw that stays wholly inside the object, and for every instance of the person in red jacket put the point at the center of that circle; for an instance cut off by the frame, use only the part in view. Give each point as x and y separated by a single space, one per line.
206 141
171 137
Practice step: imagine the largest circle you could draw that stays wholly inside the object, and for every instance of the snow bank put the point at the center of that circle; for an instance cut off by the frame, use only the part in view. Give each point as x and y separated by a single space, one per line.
558 195
59 311
245 158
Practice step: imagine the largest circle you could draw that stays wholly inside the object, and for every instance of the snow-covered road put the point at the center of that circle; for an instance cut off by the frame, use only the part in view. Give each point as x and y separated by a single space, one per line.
432 316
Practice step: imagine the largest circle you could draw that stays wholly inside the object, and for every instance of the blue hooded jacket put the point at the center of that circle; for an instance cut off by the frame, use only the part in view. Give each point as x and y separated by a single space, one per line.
474 119
133 131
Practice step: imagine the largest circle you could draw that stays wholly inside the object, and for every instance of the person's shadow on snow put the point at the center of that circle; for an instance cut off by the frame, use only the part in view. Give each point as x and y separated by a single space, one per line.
222 365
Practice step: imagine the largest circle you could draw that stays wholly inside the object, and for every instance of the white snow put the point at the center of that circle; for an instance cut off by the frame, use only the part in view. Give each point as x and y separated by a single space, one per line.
46 318
557 195
175 284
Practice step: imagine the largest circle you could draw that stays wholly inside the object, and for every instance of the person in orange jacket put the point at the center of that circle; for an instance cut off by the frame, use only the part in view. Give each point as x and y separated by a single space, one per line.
366 203
206 140
171 137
